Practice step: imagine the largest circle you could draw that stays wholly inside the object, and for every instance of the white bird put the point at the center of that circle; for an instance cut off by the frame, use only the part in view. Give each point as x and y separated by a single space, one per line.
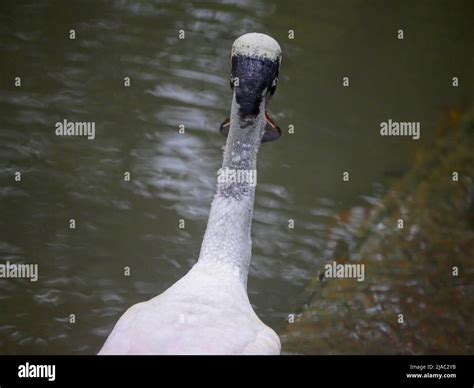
208 310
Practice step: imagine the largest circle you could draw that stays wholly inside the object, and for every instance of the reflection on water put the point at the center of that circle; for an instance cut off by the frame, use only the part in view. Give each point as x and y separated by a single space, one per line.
135 224
418 294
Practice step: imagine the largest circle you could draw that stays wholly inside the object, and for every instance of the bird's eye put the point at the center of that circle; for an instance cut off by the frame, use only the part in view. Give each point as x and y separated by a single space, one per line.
273 86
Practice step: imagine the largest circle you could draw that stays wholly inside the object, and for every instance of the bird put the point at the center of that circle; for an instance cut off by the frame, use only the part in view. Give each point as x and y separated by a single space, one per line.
208 312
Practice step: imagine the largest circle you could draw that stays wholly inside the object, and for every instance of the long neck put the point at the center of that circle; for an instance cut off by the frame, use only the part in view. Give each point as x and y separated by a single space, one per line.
227 240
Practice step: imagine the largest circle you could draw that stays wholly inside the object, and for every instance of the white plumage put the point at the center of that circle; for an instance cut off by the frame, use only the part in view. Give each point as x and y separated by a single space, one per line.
258 46
208 310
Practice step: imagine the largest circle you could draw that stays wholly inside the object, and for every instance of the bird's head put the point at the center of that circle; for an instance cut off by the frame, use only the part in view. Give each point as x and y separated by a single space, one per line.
256 60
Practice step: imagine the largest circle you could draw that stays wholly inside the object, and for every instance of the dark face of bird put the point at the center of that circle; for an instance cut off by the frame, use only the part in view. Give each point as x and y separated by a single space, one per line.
255 62
252 80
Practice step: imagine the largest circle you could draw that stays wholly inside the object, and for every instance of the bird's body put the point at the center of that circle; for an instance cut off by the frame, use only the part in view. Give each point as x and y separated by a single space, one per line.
208 310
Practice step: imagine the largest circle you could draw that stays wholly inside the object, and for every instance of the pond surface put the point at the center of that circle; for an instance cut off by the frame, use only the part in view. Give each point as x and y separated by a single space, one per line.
172 176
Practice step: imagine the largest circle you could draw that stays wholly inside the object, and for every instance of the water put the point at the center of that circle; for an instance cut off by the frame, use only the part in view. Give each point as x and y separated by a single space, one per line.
135 224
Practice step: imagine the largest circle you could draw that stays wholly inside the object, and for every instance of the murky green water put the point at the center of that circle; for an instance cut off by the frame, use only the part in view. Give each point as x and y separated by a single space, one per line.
175 82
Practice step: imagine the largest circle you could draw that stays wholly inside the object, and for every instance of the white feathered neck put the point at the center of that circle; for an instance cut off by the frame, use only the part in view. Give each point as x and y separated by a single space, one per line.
227 242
